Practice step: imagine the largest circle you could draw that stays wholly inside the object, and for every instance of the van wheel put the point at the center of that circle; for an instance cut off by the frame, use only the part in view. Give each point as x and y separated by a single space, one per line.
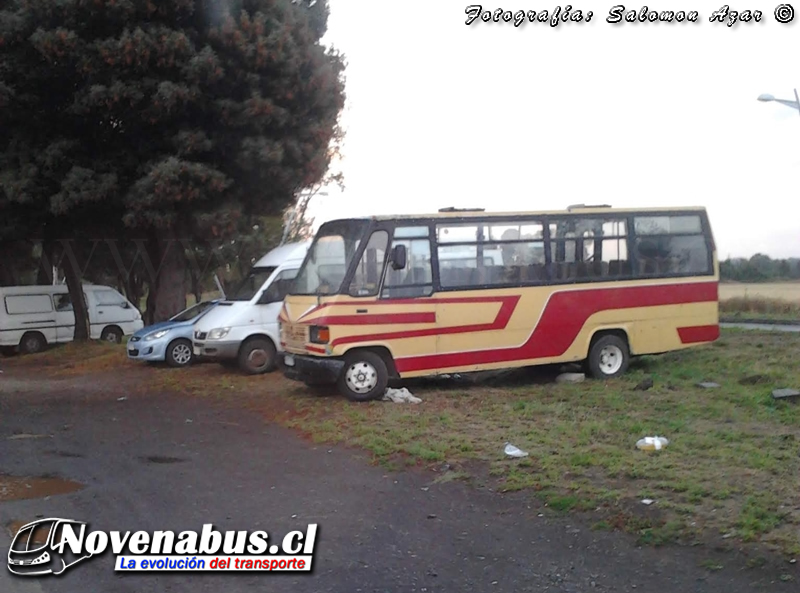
608 358
257 356
179 353
32 342
364 376
111 334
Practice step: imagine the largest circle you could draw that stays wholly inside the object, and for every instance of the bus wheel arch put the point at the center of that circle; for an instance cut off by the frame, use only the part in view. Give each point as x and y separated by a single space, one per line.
609 354
366 373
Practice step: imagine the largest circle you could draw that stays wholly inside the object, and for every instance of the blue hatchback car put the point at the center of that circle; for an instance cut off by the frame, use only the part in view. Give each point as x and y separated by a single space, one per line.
171 340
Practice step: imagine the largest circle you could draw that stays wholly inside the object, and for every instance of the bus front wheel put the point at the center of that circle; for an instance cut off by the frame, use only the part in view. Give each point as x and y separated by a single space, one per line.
364 376
608 358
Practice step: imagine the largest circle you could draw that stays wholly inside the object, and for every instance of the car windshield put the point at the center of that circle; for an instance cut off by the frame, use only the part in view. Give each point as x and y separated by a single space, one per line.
192 311
252 284
329 258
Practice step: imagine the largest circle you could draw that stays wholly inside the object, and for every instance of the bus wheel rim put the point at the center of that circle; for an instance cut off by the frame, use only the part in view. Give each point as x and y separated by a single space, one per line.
610 359
361 377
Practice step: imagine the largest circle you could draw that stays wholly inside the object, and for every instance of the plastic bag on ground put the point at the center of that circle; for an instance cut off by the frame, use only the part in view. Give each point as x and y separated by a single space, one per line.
513 451
652 443
400 396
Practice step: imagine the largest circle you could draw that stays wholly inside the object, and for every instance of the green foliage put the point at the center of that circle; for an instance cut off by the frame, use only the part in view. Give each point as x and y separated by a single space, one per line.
759 268
183 118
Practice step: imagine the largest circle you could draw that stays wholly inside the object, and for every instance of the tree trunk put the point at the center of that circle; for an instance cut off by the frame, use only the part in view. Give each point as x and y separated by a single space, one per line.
75 289
170 293
196 288
44 276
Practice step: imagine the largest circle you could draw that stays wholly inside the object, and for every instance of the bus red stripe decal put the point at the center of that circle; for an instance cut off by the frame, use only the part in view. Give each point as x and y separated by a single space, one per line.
419 302
561 321
508 304
698 333
315 349
379 319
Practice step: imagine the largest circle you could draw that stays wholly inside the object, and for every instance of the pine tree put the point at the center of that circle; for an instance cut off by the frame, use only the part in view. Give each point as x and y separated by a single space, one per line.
175 117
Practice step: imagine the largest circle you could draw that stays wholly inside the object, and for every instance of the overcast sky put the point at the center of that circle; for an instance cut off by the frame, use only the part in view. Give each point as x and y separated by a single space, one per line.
538 117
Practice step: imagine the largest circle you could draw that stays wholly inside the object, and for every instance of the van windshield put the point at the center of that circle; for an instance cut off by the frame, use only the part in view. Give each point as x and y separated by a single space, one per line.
252 284
329 258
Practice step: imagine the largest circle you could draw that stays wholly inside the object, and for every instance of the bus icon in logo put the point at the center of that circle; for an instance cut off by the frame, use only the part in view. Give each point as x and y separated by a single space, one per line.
38 548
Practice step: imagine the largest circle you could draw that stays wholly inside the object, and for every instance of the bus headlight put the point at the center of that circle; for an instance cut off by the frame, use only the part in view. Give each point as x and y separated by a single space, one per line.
319 334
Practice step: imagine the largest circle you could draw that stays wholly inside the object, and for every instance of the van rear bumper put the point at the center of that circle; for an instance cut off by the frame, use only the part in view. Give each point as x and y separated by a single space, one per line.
312 369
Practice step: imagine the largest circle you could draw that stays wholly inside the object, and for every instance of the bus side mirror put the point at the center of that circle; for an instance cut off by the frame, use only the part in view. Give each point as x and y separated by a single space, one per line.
399 257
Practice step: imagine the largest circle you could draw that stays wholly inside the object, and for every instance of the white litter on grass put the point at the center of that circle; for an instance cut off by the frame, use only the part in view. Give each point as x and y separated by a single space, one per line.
513 451
648 501
400 396
652 443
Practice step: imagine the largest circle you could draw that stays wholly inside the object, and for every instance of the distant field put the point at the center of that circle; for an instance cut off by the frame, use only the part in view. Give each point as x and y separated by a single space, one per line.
786 291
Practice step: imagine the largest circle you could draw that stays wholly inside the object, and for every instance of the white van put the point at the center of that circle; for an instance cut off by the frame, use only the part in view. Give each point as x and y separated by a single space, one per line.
243 329
32 317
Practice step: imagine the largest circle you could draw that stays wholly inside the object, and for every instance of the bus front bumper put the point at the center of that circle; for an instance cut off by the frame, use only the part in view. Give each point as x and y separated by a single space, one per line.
312 369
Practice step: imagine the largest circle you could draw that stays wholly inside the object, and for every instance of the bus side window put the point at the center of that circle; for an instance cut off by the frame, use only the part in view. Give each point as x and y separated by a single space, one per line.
367 276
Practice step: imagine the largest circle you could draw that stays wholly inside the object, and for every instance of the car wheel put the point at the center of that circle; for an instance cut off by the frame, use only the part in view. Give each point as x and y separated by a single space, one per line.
179 353
609 357
257 356
111 334
32 342
364 376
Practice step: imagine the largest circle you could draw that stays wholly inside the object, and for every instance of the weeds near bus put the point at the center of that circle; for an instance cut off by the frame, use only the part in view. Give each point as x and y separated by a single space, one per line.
730 474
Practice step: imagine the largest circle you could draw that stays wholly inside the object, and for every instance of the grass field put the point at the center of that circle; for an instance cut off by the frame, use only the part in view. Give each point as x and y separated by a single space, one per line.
779 301
729 477
785 291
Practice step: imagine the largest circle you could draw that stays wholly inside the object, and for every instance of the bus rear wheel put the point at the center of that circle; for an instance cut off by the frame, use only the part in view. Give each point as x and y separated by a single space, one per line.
609 357
364 376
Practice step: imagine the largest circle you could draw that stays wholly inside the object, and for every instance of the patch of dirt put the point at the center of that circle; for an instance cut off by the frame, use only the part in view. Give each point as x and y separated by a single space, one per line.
24 488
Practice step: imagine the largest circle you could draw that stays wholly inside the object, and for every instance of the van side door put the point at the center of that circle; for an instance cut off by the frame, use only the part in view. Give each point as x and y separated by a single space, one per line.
32 312
65 317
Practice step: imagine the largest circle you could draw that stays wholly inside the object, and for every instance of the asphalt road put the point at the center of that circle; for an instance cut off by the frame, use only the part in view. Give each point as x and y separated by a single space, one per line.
378 531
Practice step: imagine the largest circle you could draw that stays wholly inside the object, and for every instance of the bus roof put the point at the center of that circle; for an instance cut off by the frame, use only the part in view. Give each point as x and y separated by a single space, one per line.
480 214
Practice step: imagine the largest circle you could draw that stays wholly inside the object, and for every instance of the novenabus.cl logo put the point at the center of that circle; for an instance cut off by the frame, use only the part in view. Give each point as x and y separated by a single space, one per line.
39 548
50 546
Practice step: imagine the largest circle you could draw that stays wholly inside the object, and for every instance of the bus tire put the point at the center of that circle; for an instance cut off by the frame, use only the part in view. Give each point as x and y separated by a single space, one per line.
32 342
364 376
257 356
609 357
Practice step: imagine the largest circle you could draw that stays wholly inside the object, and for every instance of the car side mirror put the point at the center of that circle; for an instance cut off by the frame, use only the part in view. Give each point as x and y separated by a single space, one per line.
399 257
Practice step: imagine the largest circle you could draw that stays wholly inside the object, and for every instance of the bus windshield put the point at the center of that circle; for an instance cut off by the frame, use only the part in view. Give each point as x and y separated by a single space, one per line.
330 257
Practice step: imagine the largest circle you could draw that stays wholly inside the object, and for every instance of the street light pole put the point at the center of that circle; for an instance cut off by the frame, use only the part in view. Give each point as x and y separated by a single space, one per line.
789 103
